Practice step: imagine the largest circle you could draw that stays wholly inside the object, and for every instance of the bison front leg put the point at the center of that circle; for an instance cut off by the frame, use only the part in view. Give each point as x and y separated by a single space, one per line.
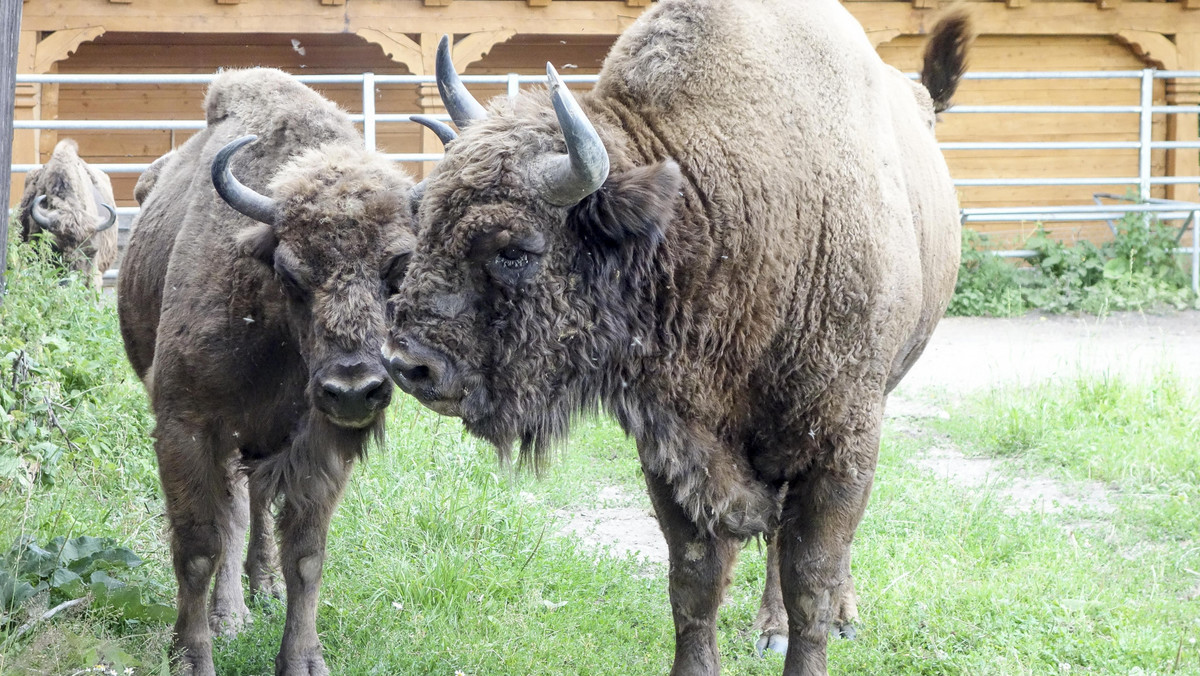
700 566
303 526
198 500
820 515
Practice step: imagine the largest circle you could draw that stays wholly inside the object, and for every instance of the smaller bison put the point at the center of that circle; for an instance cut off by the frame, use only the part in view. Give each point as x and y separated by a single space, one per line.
74 203
254 313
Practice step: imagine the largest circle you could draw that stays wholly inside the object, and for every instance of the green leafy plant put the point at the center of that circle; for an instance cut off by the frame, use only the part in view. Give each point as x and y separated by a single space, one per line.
64 383
1137 269
71 569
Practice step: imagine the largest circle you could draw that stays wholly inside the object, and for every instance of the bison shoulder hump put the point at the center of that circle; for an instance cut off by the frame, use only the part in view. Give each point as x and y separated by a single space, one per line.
253 93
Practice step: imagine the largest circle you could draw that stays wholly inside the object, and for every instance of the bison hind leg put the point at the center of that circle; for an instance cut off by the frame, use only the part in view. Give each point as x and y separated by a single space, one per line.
227 611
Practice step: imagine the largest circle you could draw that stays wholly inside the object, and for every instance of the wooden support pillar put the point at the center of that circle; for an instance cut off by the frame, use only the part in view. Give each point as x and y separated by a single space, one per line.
25 107
420 58
38 54
1186 126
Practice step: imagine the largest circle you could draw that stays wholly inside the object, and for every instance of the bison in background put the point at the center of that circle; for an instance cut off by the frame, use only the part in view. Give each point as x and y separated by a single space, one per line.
73 202
736 244
254 314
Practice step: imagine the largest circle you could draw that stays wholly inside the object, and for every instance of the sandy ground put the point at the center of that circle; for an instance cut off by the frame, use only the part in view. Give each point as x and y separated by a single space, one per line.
965 355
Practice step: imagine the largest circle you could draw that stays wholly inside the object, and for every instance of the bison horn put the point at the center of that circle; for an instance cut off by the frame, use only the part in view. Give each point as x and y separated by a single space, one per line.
444 133
571 177
41 215
463 107
246 201
108 222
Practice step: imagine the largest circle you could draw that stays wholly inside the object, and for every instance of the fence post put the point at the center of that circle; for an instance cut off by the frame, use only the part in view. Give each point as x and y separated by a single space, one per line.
368 106
514 87
1196 252
1145 133
10 36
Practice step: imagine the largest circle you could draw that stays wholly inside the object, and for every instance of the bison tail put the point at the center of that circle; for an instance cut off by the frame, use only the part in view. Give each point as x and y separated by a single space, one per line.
946 56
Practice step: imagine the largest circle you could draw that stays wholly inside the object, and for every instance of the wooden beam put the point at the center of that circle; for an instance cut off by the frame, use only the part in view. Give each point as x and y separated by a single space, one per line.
1016 4
397 46
1154 48
437 3
882 36
60 44
1107 4
537 3
638 3
1184 127
476 46
579 17
924 4
333 3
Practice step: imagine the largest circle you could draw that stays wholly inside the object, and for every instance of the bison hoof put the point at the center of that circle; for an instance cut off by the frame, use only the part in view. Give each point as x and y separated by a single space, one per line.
265 587
195 662
306 663
776 643
228 621
844 630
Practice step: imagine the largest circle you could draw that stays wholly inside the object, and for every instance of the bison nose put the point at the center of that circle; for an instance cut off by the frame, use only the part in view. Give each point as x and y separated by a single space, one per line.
421 371
353 395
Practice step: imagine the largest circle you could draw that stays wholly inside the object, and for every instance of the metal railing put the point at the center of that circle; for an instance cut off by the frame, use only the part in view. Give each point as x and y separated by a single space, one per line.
370 118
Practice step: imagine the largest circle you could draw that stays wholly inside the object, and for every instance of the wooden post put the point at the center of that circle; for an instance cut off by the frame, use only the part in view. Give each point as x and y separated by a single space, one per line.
10 35
1184 127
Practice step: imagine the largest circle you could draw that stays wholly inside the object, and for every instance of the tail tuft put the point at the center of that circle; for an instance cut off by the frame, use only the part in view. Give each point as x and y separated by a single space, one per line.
946 56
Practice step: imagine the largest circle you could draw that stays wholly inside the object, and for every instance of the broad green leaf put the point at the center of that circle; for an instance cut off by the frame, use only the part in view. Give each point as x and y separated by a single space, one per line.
67 583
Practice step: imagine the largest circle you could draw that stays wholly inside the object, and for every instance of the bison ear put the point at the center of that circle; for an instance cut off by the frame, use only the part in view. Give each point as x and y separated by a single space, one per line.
635 204
258 241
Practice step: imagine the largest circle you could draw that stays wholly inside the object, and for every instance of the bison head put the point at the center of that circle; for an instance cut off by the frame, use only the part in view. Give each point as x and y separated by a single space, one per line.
336 235
63 199
530 292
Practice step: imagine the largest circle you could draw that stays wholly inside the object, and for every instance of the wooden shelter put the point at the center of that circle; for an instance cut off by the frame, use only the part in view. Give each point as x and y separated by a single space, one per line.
501 36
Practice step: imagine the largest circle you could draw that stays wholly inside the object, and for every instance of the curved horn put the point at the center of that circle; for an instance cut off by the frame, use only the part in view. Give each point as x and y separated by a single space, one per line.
246 201
41 215
444 133
463 107
571 177
108 222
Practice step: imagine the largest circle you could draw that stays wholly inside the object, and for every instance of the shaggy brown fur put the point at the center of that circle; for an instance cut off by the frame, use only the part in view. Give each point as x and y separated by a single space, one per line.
73 189
259 345
741 293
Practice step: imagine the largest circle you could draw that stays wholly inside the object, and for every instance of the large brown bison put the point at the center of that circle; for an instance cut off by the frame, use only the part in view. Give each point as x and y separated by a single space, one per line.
73 202
255 314
736 245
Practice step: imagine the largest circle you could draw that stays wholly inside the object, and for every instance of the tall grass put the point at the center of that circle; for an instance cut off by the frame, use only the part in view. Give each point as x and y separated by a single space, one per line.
440 560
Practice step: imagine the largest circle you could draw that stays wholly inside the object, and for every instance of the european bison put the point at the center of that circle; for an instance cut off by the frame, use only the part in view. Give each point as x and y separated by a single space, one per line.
74 203
255 314
736 245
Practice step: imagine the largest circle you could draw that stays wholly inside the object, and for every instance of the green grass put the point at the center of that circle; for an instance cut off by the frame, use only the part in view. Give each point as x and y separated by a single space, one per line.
442 561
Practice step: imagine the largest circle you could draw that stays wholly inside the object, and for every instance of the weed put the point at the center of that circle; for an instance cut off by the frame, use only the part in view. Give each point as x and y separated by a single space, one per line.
1137 269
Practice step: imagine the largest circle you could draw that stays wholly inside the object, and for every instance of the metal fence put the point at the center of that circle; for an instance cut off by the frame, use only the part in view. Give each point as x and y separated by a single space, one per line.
370 118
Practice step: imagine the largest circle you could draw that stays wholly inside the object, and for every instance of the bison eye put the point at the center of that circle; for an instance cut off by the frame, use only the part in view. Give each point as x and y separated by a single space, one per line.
291 284
512 257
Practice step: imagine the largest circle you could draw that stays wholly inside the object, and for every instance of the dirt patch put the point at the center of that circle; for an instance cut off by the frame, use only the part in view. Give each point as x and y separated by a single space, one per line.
620 523
971 353
1020 494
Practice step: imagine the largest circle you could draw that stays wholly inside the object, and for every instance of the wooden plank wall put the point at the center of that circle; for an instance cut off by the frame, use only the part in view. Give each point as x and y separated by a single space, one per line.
1033 53
527 54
